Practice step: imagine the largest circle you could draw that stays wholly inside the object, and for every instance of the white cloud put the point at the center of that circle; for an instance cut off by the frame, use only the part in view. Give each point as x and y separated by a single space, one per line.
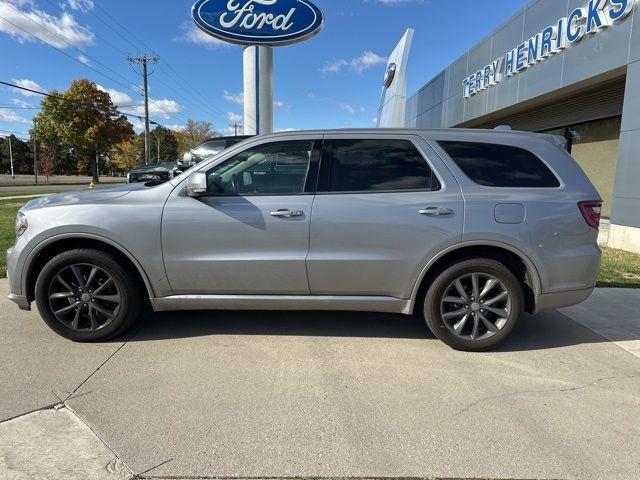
192 34
237 98
234 118
83 5
84 59
20 103
28 84
163 108
11 116
60 31
374 120
118 98
353 110
175 127
280 130
359 64
334 67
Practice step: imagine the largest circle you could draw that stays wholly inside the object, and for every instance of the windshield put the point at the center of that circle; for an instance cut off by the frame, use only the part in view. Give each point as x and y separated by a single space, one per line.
209 149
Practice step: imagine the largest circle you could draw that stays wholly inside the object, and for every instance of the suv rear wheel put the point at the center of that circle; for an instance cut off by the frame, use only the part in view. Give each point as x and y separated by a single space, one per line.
87 296
474 305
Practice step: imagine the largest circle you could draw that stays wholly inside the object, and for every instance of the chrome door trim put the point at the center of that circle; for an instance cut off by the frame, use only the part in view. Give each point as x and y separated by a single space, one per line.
282 302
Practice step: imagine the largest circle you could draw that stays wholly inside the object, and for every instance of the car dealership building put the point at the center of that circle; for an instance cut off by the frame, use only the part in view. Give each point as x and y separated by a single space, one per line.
566 67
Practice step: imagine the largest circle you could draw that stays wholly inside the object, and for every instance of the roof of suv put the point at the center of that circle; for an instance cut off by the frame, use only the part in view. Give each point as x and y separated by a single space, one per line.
475 133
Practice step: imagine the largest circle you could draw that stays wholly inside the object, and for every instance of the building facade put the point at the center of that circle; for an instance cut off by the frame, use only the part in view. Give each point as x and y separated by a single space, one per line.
567 67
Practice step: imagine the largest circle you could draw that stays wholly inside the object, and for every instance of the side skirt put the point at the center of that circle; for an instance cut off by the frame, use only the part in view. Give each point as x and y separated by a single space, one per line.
281 302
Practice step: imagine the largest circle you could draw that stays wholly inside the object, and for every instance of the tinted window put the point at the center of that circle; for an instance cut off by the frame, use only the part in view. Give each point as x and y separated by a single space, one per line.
273 169
378 165
500 165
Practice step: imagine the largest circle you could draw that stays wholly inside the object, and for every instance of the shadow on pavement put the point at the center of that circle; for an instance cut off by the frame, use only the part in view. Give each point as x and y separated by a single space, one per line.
548 330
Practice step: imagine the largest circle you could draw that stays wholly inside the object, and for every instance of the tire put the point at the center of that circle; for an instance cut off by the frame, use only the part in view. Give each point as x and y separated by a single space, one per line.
88 296
474 325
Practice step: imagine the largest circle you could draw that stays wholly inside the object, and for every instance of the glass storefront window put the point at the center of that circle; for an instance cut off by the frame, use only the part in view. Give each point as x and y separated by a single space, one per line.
594 145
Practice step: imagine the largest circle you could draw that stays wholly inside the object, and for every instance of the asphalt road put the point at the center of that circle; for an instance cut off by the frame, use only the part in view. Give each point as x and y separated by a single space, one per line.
255 394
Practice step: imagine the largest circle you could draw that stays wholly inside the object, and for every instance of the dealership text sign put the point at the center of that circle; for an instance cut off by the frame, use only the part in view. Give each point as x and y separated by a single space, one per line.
258 22
568 31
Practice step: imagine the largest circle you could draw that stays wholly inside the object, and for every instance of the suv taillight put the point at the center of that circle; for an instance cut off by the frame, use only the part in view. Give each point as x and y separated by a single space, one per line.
591 211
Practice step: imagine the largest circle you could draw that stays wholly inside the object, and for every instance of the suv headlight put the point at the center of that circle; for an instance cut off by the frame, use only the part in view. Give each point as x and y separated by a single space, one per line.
21 224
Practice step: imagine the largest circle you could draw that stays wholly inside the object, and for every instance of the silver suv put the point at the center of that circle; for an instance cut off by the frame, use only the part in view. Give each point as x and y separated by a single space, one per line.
468 228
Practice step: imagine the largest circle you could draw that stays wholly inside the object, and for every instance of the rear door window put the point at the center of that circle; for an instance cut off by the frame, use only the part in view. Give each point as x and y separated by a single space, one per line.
375 166
493 165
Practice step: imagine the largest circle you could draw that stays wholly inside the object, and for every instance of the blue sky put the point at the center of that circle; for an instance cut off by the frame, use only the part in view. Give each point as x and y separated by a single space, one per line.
333 80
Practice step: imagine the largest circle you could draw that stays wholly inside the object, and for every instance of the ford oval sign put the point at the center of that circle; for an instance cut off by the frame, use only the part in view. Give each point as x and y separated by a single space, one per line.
258 22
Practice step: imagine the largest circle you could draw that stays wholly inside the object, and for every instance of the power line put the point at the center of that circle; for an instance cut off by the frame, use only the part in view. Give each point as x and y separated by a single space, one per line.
146 47
58 97
14 133
199 101
82 53
97 35
63 52
15 107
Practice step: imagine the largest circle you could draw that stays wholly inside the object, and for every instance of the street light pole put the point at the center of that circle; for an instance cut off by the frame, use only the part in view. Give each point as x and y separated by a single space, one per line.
11 157
35 150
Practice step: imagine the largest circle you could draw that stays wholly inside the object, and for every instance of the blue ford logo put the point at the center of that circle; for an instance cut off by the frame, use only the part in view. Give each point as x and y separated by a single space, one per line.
258 22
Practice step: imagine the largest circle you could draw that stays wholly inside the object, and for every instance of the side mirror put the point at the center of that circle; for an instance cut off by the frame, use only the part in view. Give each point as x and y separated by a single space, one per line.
196 184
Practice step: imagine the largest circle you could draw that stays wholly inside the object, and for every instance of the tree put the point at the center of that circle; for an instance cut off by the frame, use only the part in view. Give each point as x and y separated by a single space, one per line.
168 144
194 133
22 155
126 155
85 119
47 161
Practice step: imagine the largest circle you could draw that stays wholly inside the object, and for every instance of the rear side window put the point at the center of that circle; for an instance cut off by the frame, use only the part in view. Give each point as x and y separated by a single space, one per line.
494 165
377 165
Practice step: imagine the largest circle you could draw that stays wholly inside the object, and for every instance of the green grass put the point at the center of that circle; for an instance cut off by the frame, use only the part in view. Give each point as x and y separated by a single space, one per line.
620 269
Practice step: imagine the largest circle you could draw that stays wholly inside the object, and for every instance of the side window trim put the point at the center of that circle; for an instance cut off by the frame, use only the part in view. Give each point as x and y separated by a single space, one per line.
312 173
446 157
324 178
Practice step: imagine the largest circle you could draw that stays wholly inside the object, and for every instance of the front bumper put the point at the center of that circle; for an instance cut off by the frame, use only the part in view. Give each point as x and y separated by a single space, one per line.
20 300
14 270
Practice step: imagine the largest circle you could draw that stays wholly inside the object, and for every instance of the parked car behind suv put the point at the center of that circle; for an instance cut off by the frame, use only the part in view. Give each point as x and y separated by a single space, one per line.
468 228
165 171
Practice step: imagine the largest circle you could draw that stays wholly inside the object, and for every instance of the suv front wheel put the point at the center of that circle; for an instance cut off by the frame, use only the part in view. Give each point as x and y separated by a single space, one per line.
87 296
474 305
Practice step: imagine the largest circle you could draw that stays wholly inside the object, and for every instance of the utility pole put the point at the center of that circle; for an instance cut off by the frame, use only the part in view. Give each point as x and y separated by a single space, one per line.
35 150
144 61
11 157
235 127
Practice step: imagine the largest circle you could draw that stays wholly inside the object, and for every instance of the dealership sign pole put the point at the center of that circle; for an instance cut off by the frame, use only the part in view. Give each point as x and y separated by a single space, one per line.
258 25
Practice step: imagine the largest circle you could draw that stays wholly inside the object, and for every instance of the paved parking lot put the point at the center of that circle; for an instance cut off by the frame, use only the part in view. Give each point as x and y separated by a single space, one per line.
254 394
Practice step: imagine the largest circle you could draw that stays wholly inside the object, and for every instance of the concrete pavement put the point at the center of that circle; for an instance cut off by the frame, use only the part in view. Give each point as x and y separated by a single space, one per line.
257 394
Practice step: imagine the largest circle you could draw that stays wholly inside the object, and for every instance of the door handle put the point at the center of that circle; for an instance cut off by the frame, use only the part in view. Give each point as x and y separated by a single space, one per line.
436 211
284 213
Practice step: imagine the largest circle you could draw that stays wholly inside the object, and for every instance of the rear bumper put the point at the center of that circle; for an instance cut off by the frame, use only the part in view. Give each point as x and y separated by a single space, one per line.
548 301
20 300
